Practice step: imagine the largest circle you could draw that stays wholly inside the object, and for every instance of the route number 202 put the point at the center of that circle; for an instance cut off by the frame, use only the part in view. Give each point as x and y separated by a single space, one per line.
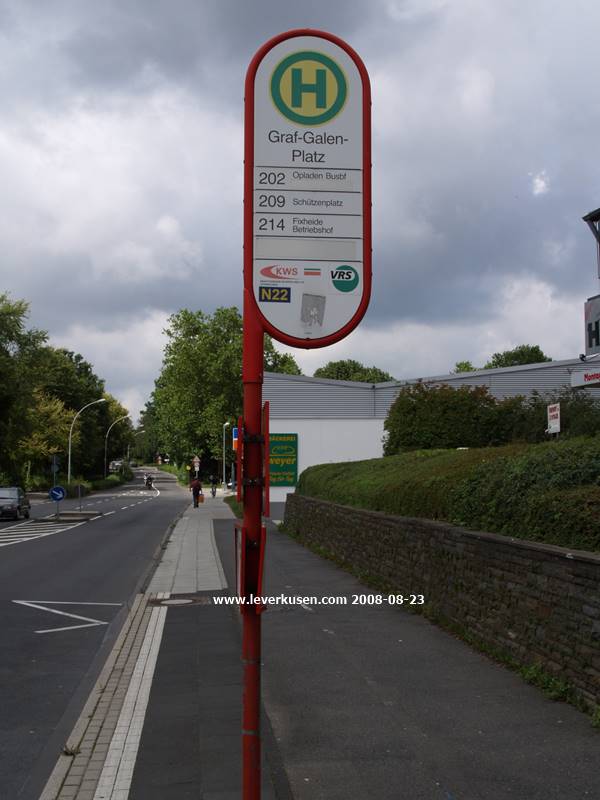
271 178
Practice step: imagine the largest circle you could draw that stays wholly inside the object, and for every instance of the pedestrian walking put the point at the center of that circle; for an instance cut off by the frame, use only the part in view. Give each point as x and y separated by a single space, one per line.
196 490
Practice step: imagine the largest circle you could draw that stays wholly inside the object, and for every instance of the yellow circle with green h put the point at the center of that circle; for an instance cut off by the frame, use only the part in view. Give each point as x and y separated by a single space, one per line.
308 88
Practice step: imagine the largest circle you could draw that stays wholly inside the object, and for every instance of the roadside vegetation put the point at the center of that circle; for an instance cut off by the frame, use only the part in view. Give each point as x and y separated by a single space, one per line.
548 492
181 473
199 387
41 389
425 416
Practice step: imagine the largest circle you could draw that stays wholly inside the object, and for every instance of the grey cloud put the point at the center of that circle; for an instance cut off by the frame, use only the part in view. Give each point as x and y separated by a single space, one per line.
454 213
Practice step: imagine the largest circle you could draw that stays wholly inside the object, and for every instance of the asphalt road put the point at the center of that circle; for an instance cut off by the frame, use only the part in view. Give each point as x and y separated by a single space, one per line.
64 594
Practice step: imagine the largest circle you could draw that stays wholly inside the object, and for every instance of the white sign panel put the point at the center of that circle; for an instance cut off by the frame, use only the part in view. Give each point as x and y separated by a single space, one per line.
553 418
308 224
588 377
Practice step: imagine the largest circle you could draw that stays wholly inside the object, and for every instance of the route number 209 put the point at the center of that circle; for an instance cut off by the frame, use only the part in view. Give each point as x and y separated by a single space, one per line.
271 178
271 201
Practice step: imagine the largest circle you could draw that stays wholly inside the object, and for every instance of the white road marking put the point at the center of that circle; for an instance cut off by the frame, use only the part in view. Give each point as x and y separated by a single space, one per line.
115 779
31 529
27 531
90 622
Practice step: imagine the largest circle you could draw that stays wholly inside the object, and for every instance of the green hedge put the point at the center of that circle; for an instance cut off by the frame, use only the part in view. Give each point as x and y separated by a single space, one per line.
547 492
424 416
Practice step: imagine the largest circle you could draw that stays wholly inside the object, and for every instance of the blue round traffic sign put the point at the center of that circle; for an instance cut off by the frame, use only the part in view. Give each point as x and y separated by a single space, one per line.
57 493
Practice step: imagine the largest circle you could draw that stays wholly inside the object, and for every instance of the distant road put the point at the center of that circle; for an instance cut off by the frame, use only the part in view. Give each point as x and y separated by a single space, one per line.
64 591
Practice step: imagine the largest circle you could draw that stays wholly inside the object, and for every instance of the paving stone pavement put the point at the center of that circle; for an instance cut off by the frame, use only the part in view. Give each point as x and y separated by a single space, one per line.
99 757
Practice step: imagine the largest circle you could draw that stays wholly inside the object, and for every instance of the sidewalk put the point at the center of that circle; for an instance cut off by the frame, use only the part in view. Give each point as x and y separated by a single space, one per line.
192 667
368 702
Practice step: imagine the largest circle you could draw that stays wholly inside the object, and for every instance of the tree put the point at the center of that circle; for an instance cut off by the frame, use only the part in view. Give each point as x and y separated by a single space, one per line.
464 366
41 389
279 362
48 423
200 384
19 349
350 370
522 354
70 378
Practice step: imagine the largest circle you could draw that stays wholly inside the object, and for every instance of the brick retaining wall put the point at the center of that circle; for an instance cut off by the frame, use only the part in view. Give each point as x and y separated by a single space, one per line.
536 603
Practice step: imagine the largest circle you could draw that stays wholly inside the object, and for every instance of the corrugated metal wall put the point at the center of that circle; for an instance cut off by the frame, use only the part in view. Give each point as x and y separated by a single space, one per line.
299 397
541 378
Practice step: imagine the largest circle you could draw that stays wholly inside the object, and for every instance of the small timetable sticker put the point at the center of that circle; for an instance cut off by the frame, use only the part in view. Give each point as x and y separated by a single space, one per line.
274 294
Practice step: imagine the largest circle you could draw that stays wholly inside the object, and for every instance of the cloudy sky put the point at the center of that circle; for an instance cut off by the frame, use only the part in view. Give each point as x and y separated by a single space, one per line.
121 172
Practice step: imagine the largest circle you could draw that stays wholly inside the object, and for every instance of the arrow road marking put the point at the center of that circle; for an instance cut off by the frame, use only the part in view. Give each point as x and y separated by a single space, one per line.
90 622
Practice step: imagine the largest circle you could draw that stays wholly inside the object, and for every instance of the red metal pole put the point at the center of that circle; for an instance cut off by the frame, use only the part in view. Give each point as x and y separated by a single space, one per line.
252 378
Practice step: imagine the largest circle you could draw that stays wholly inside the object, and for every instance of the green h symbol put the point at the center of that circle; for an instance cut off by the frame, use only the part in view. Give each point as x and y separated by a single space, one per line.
319 88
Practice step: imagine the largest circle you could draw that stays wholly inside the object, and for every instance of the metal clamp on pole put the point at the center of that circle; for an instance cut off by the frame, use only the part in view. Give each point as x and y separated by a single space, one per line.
254 481
254 438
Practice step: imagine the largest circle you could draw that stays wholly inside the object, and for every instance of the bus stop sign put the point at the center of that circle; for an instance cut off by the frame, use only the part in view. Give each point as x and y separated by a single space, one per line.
308 188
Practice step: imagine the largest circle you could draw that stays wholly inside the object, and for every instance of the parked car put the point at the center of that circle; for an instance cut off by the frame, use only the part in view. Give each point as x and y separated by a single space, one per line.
14 502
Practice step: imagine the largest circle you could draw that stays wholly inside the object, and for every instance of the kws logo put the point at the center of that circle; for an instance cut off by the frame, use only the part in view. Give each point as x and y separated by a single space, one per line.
279 272
344 278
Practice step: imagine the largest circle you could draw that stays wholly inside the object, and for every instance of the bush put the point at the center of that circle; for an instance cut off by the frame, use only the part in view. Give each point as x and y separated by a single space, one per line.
424 416
181 473
548 492
112 481
438 416
73 489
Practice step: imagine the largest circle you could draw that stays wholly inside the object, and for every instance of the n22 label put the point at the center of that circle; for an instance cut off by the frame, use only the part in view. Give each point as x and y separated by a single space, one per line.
274 294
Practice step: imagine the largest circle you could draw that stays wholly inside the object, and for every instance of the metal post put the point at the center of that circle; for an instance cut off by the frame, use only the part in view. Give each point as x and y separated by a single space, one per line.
252 377
101 400
225 425
106 442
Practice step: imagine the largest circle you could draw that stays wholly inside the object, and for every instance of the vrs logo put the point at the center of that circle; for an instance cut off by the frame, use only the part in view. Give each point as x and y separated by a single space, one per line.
279 271
344 278
308 88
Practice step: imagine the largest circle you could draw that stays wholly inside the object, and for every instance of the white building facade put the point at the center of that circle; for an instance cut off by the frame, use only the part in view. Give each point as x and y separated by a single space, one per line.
343 420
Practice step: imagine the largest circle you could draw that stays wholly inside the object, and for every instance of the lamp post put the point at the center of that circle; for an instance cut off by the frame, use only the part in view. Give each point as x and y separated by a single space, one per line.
593 221
136 433
106 441
225 425
101 400
592 305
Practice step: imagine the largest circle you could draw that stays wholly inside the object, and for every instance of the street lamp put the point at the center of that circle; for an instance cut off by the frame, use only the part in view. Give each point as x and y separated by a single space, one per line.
593 221
101 400
592 305
136 433
126 416
225 425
